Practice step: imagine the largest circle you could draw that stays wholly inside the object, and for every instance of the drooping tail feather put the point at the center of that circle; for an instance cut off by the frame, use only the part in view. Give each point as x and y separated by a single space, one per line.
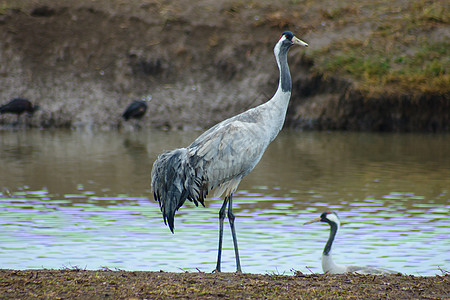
175 179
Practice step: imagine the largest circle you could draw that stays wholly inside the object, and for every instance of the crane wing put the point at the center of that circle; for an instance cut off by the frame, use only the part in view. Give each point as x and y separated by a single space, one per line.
173 181
217 159
228 152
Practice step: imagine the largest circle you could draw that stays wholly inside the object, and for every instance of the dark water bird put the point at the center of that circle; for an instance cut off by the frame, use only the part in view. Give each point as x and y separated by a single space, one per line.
18 106
136 110
220 157
328 264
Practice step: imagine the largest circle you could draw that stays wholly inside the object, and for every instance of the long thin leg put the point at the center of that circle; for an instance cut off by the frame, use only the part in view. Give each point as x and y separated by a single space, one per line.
233 232
221 218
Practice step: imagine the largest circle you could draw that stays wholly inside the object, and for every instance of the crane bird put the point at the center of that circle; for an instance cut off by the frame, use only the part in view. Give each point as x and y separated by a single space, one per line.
220 157
18 106
136 110
328 264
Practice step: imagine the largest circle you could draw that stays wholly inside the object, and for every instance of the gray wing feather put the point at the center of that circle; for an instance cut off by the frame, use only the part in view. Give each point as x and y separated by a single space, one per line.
220 156
370 270
230 152
174 181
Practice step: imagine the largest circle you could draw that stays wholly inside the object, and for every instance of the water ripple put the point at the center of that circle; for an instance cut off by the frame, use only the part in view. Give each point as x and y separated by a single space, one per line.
66 207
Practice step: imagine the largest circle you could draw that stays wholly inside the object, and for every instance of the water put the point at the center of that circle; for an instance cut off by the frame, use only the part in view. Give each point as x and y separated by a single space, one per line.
81 199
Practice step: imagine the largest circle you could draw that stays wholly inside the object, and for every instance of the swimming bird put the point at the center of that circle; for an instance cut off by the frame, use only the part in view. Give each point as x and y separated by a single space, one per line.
220 157
18 106
136 110
328 264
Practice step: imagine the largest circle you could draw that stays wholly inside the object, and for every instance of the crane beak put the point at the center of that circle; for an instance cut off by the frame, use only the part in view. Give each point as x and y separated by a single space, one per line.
298 41
312 221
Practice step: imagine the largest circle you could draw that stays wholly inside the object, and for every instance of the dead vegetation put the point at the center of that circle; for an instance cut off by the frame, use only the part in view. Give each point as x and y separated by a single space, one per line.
106 284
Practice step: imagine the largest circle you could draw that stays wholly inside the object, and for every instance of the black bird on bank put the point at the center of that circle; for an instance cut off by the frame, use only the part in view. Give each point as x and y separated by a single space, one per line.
136 110
18 106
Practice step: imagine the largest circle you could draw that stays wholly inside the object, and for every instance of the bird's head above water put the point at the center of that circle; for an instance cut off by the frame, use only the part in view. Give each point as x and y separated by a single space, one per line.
327 217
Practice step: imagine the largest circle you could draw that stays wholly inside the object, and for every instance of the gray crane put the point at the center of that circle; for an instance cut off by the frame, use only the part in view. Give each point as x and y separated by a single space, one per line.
220 157
328 264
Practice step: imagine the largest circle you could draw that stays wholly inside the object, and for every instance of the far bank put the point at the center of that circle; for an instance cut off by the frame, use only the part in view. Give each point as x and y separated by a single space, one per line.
370 66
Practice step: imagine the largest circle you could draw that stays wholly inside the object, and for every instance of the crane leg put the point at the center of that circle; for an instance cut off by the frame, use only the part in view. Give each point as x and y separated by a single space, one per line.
233 233
221 218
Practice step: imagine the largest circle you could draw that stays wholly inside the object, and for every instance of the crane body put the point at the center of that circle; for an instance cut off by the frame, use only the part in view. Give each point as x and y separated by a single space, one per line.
220 157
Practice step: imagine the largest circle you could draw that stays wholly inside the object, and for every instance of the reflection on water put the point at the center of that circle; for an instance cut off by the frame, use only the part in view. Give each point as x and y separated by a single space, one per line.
82 198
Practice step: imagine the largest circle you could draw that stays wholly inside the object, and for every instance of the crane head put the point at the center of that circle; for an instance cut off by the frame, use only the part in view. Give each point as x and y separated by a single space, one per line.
327 217
290 37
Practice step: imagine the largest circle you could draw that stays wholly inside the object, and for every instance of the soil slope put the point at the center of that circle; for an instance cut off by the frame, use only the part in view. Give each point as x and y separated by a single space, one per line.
202 61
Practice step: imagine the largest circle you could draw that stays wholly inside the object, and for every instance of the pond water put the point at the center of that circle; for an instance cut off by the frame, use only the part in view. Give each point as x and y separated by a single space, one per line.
81 199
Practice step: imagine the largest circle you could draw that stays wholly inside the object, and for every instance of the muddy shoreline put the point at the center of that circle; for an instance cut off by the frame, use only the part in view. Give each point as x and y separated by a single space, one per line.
201 62
107 284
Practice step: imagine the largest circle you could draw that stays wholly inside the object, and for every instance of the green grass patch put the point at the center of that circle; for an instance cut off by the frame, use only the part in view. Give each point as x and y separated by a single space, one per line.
402 52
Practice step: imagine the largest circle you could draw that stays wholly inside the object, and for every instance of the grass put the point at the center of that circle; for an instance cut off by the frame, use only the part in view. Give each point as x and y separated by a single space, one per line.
425 70
400 54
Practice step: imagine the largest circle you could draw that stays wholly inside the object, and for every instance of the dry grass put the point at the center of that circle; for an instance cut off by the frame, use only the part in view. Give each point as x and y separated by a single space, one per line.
106 284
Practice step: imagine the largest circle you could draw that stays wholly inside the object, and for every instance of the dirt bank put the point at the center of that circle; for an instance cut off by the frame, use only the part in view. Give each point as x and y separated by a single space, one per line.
203 61
105 284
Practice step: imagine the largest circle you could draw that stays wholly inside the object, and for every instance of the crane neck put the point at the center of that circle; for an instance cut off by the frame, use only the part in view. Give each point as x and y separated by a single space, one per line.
275 109
333 231
272 113
328 264
285 84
